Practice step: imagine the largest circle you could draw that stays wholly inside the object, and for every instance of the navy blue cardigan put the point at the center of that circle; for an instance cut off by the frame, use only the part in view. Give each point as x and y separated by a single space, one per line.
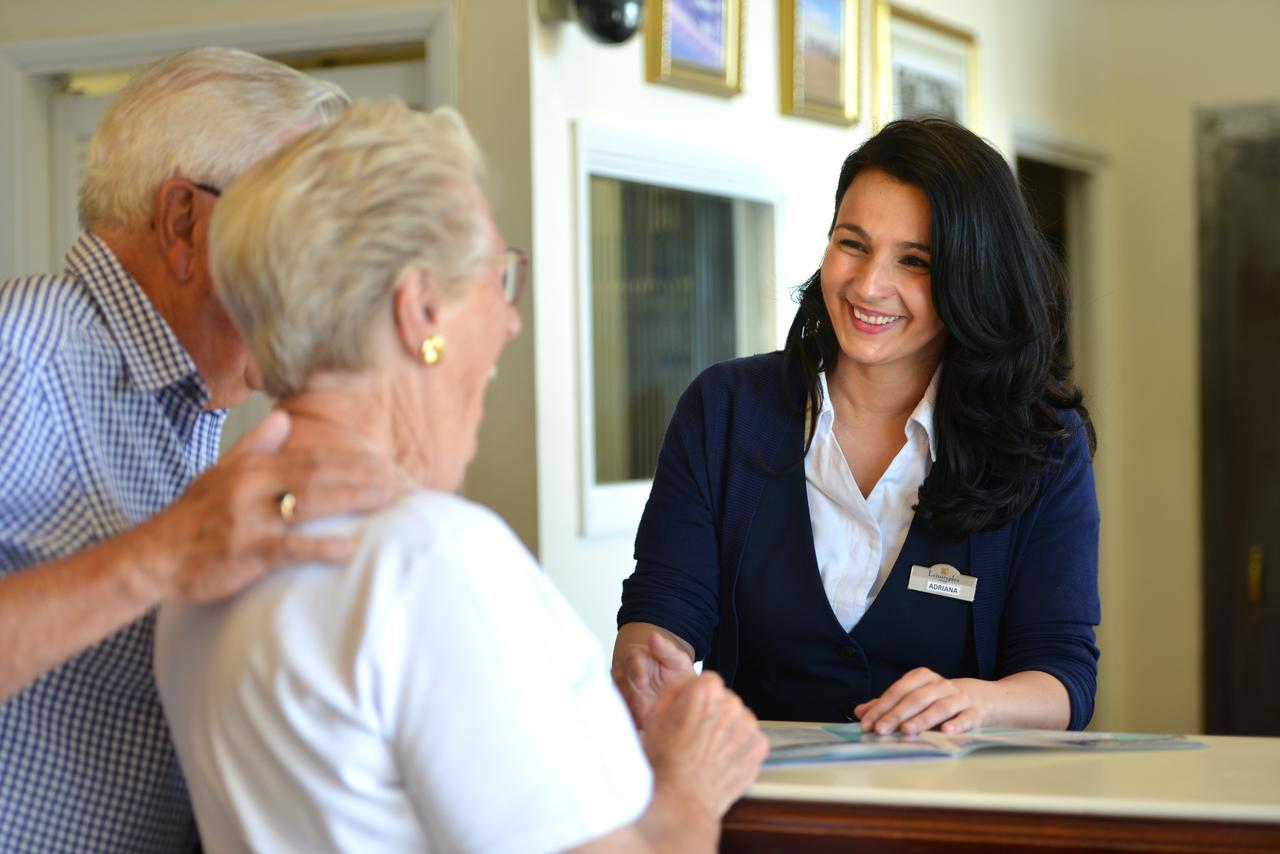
1034 609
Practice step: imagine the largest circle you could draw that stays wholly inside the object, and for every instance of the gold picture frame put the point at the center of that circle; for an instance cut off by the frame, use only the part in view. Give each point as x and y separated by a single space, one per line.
695 44
922 66
819 51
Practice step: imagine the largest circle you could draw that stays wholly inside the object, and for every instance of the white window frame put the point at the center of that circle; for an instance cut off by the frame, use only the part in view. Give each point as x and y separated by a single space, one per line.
614 509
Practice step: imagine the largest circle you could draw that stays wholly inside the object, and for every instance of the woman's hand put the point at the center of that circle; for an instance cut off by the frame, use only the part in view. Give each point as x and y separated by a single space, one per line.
705 746
922 700
646 658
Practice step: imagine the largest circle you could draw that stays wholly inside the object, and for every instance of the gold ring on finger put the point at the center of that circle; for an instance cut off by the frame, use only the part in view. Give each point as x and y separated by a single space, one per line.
287 504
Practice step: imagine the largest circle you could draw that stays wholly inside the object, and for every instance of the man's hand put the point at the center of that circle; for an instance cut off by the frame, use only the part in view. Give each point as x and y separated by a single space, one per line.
644 661
223 534
227 530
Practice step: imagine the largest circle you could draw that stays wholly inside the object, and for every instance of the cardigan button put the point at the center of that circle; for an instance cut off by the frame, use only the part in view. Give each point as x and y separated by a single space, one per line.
849 653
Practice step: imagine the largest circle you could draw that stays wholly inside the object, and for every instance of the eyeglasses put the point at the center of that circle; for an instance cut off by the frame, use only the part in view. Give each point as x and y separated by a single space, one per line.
515 274
208 188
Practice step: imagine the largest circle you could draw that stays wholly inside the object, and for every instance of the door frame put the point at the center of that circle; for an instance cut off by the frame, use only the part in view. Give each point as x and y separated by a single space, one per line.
1088 160
1093 331
27 67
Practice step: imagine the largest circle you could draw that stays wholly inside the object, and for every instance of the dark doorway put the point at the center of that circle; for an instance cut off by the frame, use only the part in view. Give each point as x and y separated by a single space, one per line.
1047 189
1239 190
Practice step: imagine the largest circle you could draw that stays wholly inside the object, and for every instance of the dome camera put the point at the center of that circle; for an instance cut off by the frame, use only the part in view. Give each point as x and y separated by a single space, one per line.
609 21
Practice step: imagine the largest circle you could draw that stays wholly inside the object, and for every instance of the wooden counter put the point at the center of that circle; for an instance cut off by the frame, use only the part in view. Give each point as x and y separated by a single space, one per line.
1225 797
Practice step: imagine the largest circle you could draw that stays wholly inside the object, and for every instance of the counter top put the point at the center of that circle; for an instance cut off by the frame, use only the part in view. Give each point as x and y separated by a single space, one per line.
1231 779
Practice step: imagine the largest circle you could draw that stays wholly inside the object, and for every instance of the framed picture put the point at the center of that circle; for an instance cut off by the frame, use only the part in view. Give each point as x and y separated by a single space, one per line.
923 67
695 44
819 55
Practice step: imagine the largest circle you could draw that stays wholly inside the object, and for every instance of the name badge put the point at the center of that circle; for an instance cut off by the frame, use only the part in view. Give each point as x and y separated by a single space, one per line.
943 579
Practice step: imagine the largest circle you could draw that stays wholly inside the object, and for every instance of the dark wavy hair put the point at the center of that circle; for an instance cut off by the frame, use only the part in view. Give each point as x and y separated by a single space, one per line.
999 420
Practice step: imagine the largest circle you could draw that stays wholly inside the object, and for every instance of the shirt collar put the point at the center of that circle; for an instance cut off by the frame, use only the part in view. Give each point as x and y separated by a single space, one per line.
152 354
921 416
923 413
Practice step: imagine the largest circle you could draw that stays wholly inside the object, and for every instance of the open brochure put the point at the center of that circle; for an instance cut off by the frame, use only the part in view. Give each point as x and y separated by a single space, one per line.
848 743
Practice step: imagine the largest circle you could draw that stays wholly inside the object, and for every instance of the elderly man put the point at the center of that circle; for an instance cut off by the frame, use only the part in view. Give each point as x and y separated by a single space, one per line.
114 381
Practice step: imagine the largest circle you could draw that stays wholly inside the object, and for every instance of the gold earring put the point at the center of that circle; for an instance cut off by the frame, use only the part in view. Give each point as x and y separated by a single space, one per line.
433 349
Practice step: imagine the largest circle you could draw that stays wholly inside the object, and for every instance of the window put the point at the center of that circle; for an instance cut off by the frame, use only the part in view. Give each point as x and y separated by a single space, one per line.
678 275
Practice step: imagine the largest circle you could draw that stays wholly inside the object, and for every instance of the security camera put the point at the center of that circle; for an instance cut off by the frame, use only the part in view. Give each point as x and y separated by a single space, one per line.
608 21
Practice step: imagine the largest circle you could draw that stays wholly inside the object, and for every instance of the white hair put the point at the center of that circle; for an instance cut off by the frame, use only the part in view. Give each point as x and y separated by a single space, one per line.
309 245
203 114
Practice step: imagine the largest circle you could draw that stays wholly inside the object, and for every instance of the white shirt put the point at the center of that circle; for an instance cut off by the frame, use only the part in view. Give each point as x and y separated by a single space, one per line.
436 694
857 540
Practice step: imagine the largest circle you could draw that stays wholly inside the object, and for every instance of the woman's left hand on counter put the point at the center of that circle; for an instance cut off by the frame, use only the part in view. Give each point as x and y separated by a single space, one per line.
923 700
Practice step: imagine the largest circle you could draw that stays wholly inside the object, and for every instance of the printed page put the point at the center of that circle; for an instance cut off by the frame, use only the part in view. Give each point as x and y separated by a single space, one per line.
793 742
789 742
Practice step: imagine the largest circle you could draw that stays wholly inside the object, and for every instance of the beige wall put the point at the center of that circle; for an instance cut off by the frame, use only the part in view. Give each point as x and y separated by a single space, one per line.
494 95
1206 55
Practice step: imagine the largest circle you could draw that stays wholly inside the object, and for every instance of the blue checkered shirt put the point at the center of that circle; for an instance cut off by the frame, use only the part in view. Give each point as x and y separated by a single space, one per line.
102 424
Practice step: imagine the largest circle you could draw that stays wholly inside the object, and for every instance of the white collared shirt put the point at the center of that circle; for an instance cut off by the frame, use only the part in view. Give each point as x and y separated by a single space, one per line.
857 540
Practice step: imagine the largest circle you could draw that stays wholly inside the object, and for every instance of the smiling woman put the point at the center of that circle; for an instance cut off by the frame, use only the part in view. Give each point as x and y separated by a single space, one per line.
875 276
917 425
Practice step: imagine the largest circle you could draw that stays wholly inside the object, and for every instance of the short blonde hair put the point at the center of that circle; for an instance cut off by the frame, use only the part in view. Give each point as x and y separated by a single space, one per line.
309 245
205 114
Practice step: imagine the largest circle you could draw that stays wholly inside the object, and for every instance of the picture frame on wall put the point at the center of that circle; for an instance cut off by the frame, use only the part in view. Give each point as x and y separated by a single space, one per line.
695 44
923 67
819 59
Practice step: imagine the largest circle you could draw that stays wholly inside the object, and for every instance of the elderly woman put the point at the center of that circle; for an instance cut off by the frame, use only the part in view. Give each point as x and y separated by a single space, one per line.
380 705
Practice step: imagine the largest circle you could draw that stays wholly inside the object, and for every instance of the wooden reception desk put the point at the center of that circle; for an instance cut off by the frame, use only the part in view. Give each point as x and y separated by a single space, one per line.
1224 797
